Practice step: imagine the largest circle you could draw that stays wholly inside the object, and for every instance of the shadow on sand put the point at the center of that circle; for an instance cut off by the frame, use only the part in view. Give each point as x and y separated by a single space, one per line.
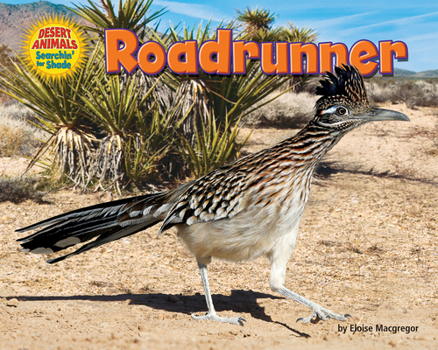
327 168
240 301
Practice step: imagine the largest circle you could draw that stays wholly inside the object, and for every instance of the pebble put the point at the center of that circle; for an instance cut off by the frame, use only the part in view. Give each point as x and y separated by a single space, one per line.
12 302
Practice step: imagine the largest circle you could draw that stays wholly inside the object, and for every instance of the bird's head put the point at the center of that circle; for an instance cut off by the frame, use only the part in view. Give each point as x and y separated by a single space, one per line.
344 104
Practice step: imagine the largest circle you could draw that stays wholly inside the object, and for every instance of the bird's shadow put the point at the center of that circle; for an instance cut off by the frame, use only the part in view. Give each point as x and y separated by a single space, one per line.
240 301
325 169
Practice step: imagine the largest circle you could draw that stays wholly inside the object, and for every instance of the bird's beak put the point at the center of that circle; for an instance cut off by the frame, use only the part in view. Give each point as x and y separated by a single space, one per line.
378 114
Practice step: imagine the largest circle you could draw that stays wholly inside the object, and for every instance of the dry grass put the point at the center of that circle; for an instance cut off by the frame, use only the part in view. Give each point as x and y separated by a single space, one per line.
12 137
415 93
291 110
17 135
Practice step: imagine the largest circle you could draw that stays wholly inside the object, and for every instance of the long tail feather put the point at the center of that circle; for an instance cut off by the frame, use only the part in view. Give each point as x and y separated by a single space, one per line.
107 221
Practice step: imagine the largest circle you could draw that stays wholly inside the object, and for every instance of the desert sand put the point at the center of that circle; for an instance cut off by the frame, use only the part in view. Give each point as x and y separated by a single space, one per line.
367 246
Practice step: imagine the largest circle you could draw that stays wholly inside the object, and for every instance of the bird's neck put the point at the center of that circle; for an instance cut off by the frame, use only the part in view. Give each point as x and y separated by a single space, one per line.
308 147
283 173
292 164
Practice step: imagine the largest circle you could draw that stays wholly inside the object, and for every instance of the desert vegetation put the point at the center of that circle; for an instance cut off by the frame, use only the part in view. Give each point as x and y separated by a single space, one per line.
115 132
413 92
135 132
18 137
368 237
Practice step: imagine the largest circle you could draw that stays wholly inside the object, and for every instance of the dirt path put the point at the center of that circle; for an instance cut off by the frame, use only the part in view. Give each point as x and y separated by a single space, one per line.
367 246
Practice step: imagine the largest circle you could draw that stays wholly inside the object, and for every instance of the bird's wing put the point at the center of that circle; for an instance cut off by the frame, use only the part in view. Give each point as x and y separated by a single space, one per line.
211 197
221 194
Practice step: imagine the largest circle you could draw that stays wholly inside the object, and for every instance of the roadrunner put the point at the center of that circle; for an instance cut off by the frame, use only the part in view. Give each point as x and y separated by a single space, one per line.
243 210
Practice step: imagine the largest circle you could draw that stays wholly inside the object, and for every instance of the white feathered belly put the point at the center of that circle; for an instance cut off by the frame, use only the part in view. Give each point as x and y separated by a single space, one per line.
252 233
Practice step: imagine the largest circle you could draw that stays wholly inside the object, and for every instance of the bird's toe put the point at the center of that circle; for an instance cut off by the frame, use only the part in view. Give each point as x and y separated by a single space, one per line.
214 317
321 314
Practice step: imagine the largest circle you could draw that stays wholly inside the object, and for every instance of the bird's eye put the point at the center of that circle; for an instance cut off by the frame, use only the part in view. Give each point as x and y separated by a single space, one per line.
341 111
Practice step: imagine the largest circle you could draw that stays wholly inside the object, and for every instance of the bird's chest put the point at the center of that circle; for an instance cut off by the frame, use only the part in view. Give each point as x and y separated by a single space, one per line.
257 230
276 211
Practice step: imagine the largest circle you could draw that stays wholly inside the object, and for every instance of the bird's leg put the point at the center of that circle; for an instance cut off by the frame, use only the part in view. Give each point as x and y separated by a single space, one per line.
318 312
278 272
211 315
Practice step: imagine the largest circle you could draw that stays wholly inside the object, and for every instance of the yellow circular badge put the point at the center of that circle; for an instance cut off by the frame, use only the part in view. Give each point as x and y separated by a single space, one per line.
54 47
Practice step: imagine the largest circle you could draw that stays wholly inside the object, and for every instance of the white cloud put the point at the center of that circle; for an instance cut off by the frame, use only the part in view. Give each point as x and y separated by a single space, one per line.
400 21
429 36
192 10
340 20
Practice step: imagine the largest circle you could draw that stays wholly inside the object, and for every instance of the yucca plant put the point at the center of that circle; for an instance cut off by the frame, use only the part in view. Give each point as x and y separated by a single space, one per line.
131 14
57 107
136 133
230 96
214 104
153 143
214 145
255 22
263 35
219 102
292 33
113 109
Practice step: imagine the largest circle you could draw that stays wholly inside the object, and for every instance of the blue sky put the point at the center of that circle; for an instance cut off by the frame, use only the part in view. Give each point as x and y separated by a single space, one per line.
414 22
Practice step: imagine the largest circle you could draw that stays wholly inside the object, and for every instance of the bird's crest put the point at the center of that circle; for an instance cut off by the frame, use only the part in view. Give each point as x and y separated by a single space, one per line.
346 87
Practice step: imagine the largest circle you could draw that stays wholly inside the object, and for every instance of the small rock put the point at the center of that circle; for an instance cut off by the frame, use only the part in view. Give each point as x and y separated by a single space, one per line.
12 302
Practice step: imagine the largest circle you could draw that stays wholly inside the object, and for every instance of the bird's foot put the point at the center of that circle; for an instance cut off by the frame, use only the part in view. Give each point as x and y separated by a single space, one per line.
320 313
214 317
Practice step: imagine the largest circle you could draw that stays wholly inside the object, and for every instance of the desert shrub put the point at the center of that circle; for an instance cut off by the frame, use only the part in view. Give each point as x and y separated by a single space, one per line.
6 60
17 135
290 110
12 137
19 189
415 93
15 110
111 131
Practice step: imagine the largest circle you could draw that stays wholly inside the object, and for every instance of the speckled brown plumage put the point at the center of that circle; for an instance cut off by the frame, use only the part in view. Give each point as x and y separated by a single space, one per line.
243 210
256 180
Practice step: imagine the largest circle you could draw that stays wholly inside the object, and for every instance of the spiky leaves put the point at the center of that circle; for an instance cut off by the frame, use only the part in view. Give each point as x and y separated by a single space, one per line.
294 34
57 106
214 145
218 102
256 23
131 14
105 129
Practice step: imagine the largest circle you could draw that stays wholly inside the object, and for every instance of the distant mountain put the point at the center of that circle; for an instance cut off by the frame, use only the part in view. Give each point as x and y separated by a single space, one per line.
403 72
411 74
14 18
427 74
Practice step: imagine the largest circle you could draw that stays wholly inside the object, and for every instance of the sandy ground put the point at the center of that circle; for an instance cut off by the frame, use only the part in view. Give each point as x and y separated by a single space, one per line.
367 246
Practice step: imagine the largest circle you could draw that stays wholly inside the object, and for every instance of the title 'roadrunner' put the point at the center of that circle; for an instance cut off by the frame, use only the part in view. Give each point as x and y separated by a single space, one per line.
243 210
